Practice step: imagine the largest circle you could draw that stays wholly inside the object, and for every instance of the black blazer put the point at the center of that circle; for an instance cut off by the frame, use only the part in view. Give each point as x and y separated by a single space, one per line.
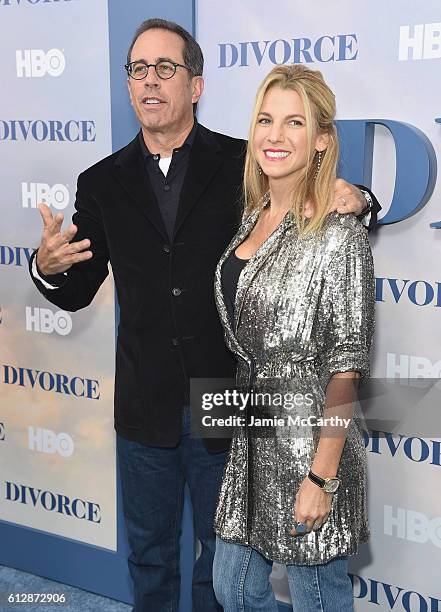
169 328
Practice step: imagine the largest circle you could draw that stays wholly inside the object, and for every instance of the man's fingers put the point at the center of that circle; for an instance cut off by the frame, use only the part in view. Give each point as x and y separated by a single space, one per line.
345 204
52 225
347 198
60 246
46 215
69 233
60 261
78 257
78 247
63 252
57 223
342 188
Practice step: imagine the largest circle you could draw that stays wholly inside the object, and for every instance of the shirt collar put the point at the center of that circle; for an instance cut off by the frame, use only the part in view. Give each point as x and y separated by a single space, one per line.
186 144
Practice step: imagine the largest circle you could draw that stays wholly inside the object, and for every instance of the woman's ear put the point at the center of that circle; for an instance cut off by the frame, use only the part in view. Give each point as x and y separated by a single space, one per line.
322 142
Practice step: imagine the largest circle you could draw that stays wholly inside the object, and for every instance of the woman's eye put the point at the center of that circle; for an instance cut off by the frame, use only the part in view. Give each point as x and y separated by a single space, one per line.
296 122
263 120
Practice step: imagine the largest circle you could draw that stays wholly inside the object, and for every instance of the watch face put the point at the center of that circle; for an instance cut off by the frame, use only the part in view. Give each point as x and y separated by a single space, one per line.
331 485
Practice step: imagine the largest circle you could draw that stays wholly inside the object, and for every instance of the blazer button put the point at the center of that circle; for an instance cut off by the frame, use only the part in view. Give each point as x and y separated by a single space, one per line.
166 248
175 341
176 291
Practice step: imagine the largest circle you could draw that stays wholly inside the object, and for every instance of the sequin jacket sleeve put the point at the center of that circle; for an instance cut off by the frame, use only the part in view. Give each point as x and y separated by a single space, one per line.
348 299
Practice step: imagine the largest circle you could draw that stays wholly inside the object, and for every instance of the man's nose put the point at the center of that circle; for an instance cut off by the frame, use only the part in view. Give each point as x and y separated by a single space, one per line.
152 79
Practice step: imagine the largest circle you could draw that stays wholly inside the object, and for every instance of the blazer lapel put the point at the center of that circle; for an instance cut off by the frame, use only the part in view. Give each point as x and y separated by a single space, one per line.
205 159
256 262
131 173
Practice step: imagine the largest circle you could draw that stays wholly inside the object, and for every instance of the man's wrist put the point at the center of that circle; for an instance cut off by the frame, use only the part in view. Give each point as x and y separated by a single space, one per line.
369 203
52 281
39 270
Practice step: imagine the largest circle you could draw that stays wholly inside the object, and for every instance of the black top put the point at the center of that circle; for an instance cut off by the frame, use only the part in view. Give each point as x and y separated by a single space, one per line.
167 189
232 268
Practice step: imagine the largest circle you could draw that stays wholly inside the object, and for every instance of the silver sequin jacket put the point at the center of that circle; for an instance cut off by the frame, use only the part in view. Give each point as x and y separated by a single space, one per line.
304 310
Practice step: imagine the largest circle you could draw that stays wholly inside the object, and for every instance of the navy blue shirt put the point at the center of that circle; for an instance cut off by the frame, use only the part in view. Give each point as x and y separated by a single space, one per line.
167 189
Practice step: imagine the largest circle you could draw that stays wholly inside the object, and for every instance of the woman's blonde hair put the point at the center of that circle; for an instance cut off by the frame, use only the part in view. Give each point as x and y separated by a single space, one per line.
315 185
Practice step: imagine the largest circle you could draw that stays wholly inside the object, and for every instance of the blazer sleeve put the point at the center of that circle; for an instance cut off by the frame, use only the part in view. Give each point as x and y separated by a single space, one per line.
85 278
347 304
373 212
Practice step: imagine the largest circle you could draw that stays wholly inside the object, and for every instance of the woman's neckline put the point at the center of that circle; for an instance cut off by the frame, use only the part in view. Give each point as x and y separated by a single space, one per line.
240 258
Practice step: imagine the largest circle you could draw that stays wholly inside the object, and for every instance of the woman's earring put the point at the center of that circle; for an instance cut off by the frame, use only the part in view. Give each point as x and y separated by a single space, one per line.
319 161
260 170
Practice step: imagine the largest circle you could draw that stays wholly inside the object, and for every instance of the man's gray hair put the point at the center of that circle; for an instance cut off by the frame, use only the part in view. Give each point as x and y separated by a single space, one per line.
193 57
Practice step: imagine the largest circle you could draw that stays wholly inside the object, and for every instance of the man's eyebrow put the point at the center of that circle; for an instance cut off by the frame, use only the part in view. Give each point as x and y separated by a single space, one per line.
166 59
158 59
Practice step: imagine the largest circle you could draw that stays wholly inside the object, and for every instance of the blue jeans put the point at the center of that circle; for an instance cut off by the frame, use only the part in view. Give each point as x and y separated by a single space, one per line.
153 481
241 582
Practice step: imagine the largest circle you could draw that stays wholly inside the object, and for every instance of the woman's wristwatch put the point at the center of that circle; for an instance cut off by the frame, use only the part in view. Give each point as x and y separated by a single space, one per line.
329 485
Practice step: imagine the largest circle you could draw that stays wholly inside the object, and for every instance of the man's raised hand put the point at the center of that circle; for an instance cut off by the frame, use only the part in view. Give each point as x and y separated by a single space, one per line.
348 198
56 253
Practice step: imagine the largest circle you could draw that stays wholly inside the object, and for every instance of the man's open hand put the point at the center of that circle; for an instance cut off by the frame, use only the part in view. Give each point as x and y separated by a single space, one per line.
56 254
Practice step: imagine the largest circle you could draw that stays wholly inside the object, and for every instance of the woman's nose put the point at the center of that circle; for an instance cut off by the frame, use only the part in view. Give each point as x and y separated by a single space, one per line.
275 134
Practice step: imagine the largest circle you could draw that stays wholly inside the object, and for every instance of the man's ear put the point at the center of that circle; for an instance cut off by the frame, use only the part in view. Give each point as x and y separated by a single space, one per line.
130 92
197 84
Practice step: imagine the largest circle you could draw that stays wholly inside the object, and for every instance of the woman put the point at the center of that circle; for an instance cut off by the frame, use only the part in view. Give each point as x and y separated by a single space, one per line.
295 293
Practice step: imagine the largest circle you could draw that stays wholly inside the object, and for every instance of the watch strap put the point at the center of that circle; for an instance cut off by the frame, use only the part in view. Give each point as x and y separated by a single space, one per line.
320 482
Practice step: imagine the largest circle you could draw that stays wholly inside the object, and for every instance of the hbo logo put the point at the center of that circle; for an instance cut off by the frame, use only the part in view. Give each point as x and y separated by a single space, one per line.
35 193
45 321
411 366
47 441
420 41
37 63
412 526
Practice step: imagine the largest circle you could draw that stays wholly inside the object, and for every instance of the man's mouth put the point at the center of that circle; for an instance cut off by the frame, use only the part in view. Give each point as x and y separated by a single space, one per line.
150 101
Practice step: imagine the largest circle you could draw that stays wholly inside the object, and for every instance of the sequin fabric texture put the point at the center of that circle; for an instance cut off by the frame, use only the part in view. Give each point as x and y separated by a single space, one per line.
304 310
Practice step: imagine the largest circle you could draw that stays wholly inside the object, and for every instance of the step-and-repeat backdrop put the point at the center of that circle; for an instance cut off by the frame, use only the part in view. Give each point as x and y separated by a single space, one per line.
382 60
57 450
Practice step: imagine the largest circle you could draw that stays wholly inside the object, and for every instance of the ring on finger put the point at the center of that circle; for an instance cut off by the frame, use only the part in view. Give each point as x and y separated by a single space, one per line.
317 525
300 527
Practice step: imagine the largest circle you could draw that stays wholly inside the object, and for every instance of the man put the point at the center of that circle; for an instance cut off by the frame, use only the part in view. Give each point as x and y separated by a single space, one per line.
162 210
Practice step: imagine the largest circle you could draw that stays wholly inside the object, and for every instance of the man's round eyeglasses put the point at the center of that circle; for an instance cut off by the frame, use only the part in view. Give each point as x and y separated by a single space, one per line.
164 69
